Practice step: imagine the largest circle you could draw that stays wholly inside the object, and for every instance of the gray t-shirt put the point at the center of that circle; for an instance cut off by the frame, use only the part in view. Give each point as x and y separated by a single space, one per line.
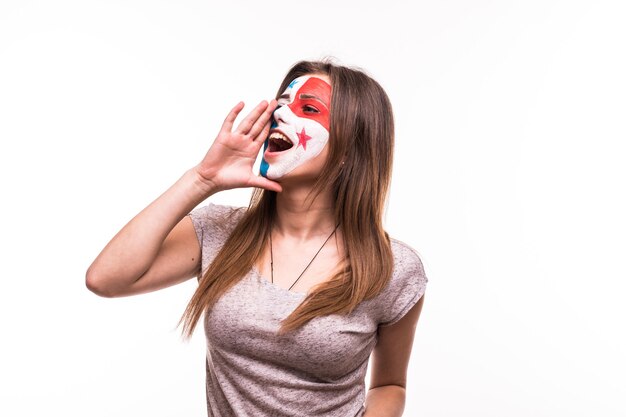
317 370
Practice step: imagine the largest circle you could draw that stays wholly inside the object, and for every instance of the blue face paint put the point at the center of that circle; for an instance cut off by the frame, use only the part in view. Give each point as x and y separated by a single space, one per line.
302 118
264 165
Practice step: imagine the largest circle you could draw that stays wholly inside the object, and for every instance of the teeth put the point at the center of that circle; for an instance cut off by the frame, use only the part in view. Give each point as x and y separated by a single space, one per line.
279 136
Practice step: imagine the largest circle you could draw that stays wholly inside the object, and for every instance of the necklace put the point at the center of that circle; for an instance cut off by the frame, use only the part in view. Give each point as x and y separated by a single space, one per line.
307 267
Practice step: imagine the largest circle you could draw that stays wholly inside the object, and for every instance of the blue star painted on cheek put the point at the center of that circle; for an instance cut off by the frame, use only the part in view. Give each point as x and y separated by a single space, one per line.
274 124
291 84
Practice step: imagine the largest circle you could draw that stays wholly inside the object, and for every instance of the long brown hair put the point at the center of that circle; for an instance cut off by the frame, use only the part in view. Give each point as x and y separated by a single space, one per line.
362 136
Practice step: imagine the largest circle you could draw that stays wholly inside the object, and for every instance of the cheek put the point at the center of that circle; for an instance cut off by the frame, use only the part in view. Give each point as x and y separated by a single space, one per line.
324 120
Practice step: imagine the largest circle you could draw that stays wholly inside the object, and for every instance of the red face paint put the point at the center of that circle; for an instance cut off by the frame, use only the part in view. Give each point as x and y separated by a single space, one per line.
302 118
311 108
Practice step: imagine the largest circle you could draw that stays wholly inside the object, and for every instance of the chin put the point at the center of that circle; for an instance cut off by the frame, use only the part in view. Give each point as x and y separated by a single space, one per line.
293 168
297 177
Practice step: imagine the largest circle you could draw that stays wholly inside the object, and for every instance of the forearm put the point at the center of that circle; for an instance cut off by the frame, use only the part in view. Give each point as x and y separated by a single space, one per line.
385 401
133 249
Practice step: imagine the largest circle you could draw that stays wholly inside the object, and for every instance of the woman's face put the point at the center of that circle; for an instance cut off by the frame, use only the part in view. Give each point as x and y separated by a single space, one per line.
300 126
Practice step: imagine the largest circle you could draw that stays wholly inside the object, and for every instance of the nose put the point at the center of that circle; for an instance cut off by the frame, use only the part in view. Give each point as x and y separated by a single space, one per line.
283 114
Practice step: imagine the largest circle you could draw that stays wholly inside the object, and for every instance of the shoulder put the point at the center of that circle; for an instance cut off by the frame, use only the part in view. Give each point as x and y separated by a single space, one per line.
406 286
218 213
405 258
216 218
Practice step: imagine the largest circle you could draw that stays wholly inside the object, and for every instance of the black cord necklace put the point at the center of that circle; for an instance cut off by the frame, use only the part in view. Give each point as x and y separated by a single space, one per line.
307 267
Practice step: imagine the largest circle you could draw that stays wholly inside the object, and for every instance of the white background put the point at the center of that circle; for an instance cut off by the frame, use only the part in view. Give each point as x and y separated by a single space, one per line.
508 180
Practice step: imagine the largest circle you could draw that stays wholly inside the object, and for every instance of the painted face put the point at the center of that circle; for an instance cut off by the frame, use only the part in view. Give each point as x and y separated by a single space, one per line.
300 126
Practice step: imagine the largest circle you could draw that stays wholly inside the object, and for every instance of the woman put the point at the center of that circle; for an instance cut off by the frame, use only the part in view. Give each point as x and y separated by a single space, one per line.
302 286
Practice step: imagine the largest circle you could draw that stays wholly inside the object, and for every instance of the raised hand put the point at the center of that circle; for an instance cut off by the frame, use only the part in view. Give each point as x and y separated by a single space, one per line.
228 163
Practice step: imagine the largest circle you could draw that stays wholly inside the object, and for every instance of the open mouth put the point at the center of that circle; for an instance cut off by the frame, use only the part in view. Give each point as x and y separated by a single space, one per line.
279 142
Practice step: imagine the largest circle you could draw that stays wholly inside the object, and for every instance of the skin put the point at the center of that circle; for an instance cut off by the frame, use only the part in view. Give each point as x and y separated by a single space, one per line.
303 116
158 247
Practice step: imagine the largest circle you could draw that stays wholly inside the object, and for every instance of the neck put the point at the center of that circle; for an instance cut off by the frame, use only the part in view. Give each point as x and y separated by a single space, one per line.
295 219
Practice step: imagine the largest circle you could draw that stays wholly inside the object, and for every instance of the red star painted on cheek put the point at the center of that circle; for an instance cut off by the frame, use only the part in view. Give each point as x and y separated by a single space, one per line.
303 138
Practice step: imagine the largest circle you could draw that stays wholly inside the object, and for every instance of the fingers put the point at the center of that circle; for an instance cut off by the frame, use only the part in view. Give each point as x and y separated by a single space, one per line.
256 124
230 118
261 126
247 123
260 138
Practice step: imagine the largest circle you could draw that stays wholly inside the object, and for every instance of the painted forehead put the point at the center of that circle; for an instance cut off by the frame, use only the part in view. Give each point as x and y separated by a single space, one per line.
310 87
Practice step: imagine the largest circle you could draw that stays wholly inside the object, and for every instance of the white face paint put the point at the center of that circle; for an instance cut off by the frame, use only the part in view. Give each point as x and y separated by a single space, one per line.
300 126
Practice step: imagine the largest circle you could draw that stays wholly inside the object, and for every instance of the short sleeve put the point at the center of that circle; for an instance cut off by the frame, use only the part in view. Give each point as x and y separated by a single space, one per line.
213 224
406 287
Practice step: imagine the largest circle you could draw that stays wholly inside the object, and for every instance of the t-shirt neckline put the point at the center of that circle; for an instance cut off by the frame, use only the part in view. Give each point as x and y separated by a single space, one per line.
276 287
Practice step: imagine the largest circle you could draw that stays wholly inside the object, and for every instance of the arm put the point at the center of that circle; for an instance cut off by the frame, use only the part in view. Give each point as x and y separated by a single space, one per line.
390 359
158 247
130 254
385 401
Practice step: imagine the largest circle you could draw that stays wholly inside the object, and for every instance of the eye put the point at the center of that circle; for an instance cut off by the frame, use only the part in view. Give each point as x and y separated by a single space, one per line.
310 109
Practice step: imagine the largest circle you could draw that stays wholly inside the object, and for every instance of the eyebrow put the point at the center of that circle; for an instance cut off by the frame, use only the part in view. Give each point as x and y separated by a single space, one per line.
311 96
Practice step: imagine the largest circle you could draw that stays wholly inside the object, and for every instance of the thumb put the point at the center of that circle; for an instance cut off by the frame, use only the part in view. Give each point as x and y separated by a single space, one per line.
262 182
